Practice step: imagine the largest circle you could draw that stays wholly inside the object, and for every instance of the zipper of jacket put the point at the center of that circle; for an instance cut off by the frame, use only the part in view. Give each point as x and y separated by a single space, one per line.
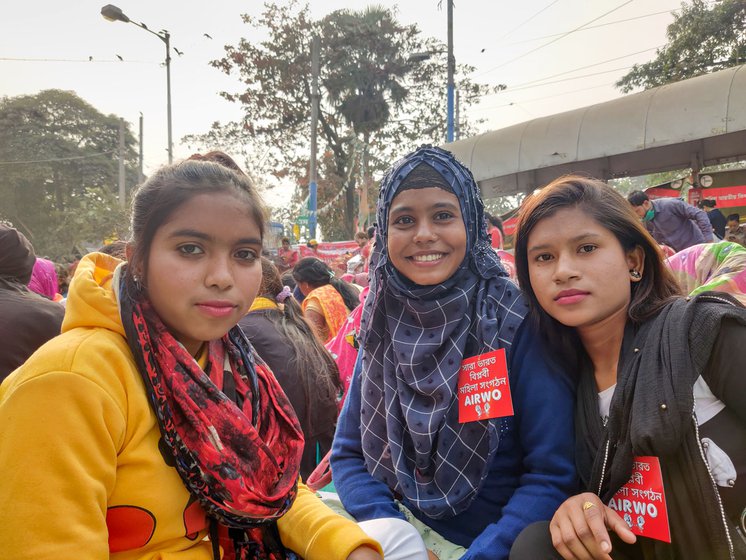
712 297
723 517
603 467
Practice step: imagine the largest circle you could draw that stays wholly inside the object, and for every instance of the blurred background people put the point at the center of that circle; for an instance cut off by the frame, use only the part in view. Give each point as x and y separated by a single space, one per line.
735 232
719 267
27 319
363 242
716 217
671 221
117 249
287 256
313 245
44 279
327 299
495 230
306 371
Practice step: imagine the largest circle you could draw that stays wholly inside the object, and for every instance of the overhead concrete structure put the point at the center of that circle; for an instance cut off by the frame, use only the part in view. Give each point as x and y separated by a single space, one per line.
692 123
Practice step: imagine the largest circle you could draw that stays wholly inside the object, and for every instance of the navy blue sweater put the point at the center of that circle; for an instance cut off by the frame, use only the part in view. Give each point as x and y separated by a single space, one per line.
532 473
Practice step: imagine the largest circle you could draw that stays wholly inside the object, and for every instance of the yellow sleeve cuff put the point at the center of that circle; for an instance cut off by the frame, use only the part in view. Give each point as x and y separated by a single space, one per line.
314 531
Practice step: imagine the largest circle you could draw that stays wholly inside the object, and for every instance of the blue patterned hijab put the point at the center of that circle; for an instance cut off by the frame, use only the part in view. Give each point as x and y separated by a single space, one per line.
413 341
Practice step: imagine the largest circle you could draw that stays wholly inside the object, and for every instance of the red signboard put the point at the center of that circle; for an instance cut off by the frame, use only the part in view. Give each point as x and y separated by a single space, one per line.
334 253
329 251
724 197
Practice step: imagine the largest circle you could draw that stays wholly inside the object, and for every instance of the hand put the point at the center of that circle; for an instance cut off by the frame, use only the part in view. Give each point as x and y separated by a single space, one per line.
431 555
364 553
582 533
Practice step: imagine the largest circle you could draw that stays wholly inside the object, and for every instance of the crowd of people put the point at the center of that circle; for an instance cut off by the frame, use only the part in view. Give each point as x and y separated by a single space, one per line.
436 398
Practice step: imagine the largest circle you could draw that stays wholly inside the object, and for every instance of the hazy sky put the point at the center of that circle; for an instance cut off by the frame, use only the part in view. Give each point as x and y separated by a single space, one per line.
554 55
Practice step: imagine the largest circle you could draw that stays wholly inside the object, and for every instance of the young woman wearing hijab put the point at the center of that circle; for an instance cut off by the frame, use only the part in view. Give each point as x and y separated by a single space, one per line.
440 300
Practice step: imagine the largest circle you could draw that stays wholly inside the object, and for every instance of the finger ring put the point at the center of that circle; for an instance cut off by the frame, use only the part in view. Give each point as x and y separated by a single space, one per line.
588 505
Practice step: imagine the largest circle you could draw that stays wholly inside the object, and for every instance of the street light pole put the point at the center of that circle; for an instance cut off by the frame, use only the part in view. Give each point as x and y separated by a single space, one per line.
451 70
315 97
167 39
113 13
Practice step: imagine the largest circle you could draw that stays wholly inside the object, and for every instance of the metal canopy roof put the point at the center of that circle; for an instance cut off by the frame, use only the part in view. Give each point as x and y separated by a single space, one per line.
692 123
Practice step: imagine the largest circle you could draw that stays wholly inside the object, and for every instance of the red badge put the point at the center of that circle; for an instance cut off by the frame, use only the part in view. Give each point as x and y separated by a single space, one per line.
642 501
483 388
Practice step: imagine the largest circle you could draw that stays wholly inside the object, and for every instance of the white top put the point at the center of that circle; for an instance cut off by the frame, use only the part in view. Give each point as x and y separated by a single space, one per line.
604 402
706 405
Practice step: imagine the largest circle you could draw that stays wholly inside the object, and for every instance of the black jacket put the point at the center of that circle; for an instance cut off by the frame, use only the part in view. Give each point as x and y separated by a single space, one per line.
652 414
27 320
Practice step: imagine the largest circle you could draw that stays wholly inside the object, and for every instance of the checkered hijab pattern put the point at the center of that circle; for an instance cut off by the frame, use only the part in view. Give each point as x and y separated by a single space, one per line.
413 341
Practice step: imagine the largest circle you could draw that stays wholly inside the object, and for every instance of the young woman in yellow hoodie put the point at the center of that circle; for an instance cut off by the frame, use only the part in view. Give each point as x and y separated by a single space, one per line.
149 429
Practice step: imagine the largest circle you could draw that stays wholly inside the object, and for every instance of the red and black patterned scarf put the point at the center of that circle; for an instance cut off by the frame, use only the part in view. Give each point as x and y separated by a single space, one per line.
240 457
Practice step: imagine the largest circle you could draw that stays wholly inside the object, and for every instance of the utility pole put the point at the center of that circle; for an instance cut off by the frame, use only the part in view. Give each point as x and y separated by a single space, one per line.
122 192
457 120
315 55
140 174
166 38
362 212
451 70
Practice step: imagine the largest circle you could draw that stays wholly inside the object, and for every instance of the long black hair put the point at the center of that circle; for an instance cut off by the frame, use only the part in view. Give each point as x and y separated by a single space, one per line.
317 273
315 368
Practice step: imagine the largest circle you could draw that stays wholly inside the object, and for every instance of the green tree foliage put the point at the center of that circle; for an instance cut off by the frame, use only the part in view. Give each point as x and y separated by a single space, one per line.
59 172
365 84
375 99
504 204
704 37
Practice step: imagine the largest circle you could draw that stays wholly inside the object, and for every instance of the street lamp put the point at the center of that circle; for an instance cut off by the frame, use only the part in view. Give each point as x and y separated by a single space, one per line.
112 13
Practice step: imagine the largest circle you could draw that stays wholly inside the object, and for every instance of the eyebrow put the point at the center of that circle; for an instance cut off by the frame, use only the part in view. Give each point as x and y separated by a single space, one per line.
206 237
437 205
575 239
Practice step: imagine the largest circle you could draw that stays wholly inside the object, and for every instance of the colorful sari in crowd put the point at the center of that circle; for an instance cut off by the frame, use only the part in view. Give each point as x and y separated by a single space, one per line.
44 279
719 267
327 301
344 346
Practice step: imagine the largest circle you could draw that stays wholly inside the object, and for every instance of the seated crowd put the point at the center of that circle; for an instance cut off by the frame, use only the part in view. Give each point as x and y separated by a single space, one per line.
428 396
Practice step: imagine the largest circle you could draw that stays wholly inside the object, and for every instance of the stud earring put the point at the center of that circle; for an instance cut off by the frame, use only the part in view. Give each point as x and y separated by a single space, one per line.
635 274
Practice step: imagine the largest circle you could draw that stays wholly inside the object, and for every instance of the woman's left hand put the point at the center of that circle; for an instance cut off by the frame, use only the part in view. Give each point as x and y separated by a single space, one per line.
364 553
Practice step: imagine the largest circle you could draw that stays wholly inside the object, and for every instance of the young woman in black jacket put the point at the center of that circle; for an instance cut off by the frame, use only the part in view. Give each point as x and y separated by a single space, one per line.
660 385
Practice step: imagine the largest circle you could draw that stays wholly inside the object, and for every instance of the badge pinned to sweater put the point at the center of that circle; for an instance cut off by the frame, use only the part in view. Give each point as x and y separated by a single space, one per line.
483 388
642 501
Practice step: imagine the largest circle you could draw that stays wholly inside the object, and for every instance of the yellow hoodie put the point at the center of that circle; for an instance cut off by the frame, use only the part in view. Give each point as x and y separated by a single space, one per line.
81 475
